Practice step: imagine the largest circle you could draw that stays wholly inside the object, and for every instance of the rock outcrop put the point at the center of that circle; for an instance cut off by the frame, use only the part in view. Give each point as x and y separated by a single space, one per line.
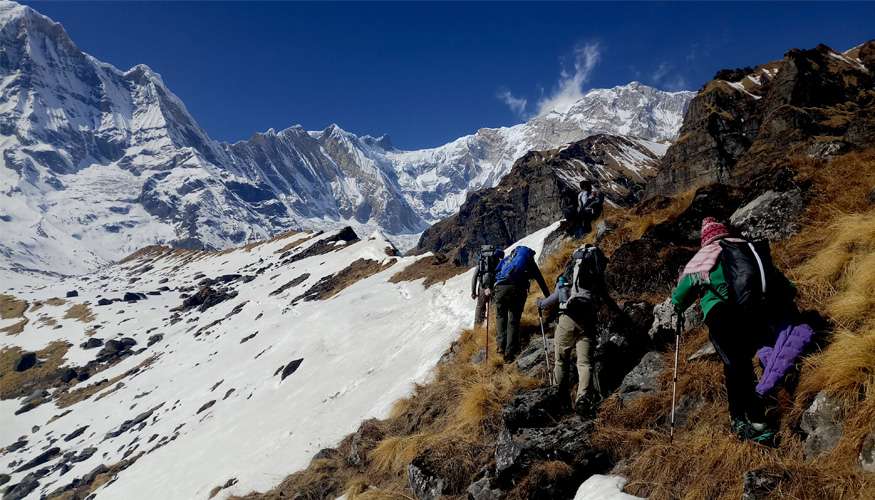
540 187
744 126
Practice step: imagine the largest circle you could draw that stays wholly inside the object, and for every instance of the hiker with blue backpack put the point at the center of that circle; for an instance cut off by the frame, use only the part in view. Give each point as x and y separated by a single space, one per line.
733 279
512 278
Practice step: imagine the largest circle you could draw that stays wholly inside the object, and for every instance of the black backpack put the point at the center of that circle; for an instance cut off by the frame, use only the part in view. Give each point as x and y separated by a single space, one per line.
749 273
487 261
585 271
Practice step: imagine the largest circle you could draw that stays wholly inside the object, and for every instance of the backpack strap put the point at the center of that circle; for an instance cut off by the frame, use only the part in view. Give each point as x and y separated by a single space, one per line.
760 265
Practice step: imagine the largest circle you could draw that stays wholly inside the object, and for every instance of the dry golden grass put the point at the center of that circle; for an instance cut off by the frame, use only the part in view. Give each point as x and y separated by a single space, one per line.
11 308
80 312
15 384
433 269
68 398
831 261
453 419
637 226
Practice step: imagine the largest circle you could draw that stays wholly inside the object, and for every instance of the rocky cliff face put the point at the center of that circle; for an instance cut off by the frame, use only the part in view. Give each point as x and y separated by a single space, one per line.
537 190
745 124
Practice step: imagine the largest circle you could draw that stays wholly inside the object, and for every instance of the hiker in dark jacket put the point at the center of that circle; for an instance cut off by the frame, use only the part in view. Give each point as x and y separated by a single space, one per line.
576 327
511 289
590 202
735 336
484 280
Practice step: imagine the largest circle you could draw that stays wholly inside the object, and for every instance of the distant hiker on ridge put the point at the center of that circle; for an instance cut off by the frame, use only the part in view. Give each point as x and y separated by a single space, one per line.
511 289
735 328
484 280
590 202
577 289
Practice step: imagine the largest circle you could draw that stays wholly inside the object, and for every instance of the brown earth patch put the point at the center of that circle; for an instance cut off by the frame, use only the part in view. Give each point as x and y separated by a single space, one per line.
11 308
296 243
330 286
435 269
80 312
71 397
44 375
83 487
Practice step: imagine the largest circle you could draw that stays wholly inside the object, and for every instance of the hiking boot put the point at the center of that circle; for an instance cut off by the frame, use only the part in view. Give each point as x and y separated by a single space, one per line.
587 406
742 428
762 434
757 432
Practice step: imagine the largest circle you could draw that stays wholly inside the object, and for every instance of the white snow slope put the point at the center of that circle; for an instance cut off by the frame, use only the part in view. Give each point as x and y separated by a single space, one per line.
96 162
361 350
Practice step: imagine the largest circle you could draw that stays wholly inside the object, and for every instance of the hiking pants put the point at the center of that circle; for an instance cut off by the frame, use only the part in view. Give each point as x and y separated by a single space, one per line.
571 335
735 336
480 310
509 303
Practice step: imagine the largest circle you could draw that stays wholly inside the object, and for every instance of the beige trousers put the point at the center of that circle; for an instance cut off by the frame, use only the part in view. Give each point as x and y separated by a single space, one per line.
569 335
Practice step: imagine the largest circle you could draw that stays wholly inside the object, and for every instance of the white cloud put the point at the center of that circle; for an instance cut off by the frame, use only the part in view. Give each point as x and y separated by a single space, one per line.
516 104
666 78
569 89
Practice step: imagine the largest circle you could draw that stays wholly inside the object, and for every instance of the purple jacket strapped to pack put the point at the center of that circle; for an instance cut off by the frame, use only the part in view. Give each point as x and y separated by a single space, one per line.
778 360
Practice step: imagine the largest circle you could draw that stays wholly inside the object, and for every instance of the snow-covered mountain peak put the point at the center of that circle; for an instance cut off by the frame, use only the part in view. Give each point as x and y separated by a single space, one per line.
97 162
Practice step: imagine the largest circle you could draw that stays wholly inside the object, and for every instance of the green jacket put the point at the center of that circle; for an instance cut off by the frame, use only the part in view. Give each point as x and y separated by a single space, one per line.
689 289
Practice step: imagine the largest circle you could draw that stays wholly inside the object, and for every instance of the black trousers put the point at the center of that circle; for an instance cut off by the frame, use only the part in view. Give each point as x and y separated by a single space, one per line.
735 336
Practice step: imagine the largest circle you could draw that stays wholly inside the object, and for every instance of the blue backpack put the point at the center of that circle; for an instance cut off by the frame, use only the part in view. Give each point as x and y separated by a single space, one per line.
513 269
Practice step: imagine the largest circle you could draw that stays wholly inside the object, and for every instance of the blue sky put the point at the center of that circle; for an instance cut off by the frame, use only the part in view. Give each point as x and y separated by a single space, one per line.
426 73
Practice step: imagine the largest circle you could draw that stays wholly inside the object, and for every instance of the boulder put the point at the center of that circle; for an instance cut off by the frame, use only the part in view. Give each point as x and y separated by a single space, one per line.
113 349
758 484
530 360
104 302
483 489
706 351
424 484
40 459
22 489
27 361
772 215
291 368
91 343
822 425
73 435
133 296
4 478
362 442
154 339
567 441
643 379
535 408
72 293
645 267
867 453
662 330
206 298
620 342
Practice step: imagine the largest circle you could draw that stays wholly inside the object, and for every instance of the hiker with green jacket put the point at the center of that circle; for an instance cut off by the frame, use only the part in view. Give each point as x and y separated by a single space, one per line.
735 335
512 278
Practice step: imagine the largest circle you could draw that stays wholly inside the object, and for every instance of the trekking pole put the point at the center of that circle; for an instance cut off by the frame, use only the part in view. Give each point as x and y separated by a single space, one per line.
546 355
674 381
487 331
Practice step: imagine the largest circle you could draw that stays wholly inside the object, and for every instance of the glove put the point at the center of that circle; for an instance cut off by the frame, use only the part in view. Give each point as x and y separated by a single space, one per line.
540 304
473 296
